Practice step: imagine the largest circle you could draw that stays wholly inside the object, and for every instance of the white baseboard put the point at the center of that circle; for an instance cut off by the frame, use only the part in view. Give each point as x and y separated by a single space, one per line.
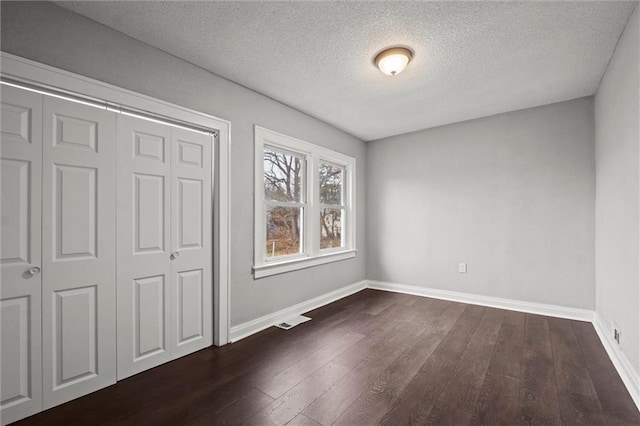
494 302
628 374
248 328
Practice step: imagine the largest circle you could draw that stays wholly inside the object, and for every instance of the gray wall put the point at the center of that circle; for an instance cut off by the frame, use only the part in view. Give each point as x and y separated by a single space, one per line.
48 34
512 195
618 192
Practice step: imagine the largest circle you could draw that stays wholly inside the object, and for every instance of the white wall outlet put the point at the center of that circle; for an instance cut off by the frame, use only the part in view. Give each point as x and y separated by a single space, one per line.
462 268
616 333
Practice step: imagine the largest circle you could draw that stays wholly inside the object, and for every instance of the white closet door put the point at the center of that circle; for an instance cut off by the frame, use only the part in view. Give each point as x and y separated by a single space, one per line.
20 292
78 208
191 269
144 245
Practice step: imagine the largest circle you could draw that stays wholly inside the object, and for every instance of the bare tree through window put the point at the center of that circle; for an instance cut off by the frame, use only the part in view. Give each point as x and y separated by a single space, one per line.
331 202
283 183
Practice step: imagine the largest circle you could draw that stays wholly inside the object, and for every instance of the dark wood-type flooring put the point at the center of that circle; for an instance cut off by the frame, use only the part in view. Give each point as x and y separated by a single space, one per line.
379 358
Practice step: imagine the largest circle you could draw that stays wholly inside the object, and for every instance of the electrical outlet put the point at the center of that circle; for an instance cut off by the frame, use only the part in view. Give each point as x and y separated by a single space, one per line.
462 268
616 336
616 333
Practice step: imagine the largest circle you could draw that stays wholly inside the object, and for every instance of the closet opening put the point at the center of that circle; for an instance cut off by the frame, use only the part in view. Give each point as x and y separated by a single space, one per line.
115 234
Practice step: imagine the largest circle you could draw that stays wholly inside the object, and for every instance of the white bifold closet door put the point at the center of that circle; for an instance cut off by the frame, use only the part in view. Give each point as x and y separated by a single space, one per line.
20 254
57 252
191 242
78 237
164 243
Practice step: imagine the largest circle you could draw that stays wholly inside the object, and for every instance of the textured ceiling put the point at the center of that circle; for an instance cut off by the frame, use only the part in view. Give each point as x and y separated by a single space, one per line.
472 59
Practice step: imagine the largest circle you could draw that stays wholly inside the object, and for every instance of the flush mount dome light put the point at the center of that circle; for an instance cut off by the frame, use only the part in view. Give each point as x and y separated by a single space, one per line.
393 60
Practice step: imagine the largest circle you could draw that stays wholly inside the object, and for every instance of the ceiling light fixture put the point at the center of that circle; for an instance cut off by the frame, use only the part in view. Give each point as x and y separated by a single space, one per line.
394 60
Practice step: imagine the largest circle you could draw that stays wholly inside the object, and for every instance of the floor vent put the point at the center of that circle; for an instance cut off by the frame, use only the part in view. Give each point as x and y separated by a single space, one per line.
289 323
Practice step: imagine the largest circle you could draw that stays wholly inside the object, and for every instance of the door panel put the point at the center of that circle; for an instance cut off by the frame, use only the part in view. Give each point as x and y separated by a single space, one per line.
15 349
79 311
149 311
190 319
18 369
74 213
191 279
75 349
20 250
16 199
149 213
19 110
144 309
75 132
190 221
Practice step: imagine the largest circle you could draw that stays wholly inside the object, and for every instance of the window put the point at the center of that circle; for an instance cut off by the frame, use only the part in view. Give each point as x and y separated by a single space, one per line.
305 204
330 179
284 199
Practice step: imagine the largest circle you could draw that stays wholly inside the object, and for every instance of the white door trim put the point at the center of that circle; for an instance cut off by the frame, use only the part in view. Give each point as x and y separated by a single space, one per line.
34 73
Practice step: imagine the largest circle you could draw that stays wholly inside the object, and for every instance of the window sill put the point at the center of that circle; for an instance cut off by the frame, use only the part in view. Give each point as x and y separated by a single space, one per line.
301 263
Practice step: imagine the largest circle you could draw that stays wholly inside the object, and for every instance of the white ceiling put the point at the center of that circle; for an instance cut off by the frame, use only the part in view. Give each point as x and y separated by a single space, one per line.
472 59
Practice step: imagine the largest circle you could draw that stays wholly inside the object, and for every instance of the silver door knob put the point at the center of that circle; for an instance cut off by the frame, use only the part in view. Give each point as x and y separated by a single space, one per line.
174 255
34 270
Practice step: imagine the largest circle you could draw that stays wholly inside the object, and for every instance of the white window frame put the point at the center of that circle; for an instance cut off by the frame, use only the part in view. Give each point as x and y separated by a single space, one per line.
341 206
311 254
300 204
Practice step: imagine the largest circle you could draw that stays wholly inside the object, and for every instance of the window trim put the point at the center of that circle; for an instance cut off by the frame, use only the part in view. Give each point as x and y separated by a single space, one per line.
311 254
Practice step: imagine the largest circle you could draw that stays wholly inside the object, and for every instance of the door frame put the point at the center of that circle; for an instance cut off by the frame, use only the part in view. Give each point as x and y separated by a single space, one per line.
46 77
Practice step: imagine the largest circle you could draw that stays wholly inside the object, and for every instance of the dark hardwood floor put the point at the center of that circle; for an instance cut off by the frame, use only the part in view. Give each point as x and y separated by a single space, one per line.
379 358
